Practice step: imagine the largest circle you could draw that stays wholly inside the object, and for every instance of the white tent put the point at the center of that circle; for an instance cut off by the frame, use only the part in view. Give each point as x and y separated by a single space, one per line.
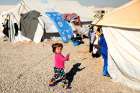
27 5
122 32
44 21
12 13
3 10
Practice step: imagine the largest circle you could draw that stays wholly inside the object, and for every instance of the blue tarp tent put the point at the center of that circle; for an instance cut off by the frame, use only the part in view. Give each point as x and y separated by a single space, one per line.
62 25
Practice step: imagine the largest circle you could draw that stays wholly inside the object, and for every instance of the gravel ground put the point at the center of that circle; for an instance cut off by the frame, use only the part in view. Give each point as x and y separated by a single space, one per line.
27 67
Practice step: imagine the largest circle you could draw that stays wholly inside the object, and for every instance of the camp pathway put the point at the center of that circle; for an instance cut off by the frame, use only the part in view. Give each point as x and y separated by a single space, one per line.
27 67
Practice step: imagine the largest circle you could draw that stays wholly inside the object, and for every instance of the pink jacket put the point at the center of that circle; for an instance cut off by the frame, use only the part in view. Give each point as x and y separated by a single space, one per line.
59 60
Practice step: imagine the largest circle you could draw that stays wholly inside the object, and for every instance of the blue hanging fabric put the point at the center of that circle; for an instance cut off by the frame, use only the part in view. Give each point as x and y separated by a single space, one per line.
104 53
62 26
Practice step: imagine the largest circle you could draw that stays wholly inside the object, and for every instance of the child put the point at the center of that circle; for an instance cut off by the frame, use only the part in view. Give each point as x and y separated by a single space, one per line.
59 62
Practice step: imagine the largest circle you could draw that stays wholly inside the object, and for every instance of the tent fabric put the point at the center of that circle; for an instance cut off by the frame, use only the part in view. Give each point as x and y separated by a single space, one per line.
21 38
29 23
62 25
124 55
38 33
11 30
122 32
33 26
127 16
72 17
47 24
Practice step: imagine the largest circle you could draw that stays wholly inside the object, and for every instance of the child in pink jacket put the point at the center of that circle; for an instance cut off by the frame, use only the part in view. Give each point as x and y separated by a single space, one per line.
59 64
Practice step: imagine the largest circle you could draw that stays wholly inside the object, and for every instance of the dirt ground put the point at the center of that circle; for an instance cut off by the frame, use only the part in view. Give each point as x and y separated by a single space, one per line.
27 67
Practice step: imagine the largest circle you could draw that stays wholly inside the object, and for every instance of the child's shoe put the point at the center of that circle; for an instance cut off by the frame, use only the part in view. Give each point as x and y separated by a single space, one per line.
62 84
51 83
68 87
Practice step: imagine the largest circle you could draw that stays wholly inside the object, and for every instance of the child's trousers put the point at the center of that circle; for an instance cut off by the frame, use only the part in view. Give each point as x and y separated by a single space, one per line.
59 74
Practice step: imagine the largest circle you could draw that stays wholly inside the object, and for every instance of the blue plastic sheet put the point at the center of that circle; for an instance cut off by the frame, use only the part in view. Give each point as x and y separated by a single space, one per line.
62 26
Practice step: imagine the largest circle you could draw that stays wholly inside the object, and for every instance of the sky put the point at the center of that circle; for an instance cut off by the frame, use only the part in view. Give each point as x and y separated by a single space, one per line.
97 3
102 3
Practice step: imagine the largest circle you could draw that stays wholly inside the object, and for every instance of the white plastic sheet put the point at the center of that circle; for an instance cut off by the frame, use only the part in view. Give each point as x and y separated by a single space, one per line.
124 55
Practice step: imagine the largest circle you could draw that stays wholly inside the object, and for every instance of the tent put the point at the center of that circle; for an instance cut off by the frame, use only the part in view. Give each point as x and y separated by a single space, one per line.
3 11
122 32
12 13
45 23
62 6
33 25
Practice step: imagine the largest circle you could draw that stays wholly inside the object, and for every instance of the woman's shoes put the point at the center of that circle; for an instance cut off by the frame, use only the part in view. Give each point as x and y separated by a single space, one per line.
107 75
